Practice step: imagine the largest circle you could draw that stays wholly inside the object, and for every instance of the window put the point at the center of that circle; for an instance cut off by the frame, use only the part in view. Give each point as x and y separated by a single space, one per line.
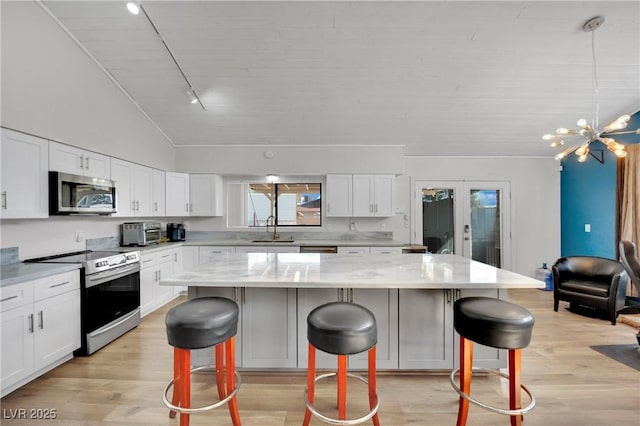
289 204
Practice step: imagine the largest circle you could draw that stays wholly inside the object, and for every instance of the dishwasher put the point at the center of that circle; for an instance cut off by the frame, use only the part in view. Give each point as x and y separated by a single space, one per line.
318 249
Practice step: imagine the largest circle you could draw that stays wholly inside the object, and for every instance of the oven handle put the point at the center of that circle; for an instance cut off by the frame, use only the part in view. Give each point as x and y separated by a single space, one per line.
124 319
119 272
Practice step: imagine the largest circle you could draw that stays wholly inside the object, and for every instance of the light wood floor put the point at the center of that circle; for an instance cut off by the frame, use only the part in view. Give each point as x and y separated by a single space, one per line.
573 384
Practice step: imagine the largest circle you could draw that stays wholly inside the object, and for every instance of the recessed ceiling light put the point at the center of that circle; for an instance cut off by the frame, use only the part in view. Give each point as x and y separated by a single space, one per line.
133 8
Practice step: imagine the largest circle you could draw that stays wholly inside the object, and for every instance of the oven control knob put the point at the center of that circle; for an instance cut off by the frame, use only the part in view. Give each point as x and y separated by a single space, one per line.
102 263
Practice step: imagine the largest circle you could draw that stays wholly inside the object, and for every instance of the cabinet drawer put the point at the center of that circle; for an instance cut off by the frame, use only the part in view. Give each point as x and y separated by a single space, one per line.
148 259
16 295
353 250
56 284
386 250
164 256
209 253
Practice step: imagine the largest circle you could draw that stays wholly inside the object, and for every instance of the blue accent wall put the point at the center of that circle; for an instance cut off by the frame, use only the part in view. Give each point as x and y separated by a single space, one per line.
588 196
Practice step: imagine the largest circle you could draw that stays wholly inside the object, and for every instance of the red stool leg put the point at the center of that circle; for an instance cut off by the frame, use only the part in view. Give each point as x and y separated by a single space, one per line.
219 354
373 397
185 382
342 387
311 382
175 400
466 364
515 361
230 353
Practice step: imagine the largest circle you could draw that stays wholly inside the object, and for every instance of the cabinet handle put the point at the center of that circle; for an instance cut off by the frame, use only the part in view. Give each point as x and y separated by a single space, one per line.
4 200
155 206
9 298
186 207
190 207
82 161
133 205
350 295
30 323
175 257
87 164
60 284
41 315
137 205
375 210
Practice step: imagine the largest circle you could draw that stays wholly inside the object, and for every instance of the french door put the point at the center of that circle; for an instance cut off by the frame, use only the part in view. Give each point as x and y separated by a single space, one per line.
468 218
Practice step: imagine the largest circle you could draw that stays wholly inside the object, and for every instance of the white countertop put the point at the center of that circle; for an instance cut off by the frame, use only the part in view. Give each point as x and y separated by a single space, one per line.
16 273
316 270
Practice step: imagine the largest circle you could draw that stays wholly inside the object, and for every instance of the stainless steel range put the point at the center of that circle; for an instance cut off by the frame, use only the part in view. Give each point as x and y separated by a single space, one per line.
110 294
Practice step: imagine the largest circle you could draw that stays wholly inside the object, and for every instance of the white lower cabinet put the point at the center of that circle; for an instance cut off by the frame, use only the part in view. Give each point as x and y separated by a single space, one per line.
153 267
384 305
426 329
427 337
269 328
40 327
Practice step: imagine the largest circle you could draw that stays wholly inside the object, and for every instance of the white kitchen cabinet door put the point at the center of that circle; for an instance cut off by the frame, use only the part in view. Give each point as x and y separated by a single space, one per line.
159 195
338 196
384 195
57 324
269 328
148 277
363 195
373 195
211 253
384 305
206 197
25 176
69 159
426 329
163 293
308 300
134 188
122 173
143 190
177 195
17 339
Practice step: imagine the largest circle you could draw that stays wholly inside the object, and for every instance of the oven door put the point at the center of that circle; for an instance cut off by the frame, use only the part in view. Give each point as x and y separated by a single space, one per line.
110 295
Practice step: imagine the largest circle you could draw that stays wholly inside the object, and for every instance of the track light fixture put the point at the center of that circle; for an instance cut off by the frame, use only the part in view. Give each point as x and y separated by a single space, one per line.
135 8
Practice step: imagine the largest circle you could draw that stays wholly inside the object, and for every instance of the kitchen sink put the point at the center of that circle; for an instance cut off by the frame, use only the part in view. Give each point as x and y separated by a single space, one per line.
272 241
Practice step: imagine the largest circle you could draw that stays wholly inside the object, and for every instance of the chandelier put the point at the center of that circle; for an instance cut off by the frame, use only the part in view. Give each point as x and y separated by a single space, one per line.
588 133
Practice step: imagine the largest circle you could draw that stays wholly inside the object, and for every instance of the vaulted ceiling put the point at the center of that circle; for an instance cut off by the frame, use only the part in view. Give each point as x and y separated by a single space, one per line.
439 77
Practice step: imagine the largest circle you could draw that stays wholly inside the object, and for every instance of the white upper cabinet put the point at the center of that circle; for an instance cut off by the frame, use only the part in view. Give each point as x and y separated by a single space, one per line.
134 188
338 196
158 193
177 200
69 159
360 195
24 176
206 195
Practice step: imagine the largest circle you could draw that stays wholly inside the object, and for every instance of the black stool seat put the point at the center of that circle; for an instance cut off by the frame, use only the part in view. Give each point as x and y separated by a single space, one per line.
493 322
202 322
342 328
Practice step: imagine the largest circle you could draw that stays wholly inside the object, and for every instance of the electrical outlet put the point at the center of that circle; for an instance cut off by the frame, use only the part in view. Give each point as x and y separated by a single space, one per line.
78 237
587 227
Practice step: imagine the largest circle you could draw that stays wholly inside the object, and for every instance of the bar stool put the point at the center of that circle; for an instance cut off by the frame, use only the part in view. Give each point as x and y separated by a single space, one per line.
342 329
498 324
195 324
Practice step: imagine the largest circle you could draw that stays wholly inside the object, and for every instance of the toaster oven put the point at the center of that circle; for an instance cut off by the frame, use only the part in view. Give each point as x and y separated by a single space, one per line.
140 233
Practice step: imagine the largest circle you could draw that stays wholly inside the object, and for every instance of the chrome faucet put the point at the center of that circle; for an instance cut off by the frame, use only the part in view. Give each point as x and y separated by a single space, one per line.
275 227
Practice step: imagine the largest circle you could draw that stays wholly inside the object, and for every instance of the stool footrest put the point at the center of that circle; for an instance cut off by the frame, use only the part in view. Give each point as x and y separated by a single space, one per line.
345 422
486 406
183 410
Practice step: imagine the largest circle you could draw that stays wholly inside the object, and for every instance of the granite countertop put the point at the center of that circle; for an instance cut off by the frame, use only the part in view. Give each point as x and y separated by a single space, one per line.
299 243
16 273
316 270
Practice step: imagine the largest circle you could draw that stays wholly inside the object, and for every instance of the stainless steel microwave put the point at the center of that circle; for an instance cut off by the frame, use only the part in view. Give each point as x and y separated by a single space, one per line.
73 194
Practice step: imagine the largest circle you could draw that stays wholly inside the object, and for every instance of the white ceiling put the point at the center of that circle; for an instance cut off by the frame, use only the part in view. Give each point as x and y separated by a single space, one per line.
439 77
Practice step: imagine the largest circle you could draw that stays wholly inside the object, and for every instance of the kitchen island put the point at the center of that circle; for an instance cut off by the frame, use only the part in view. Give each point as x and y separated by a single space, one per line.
411 296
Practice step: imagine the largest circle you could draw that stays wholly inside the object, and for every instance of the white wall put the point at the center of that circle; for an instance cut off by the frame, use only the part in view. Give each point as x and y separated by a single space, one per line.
52 89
